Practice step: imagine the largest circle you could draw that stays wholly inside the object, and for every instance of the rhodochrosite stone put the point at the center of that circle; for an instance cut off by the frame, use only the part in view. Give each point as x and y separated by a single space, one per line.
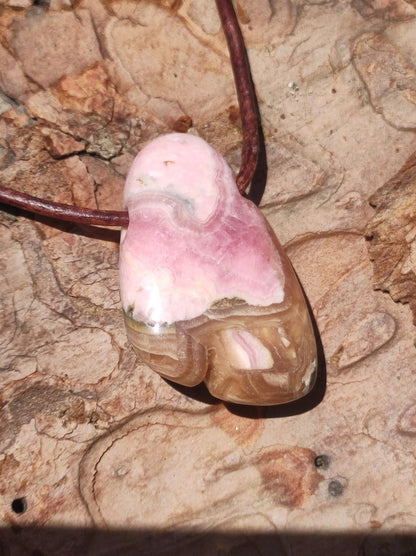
207 291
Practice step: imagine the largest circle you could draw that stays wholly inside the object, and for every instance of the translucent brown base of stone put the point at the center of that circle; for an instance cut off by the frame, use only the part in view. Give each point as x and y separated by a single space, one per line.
244 354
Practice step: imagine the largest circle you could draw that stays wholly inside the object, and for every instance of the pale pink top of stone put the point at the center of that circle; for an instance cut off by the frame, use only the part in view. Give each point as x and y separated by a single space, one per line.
192 238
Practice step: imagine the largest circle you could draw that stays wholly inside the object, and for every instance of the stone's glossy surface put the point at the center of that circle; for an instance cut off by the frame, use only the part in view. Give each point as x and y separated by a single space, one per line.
207 291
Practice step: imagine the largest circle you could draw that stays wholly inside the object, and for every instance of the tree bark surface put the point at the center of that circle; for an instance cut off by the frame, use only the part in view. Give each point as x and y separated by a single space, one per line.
98 454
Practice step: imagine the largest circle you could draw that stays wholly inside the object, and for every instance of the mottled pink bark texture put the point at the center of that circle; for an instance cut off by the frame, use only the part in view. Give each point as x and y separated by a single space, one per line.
207 290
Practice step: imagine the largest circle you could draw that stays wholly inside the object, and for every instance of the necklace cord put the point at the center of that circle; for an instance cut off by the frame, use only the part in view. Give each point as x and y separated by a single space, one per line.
245 93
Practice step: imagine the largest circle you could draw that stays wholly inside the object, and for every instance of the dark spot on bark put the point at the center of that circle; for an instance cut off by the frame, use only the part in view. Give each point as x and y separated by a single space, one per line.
182 124
335 488
233 114
322 461
19 505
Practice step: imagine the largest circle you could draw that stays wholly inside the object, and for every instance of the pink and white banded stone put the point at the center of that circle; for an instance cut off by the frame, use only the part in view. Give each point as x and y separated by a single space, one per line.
207 291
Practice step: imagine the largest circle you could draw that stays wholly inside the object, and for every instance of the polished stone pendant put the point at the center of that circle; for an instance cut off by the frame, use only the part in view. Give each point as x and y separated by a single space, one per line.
207 291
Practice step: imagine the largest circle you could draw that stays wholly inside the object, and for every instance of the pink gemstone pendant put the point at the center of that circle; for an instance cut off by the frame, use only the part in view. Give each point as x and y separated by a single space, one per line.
207 291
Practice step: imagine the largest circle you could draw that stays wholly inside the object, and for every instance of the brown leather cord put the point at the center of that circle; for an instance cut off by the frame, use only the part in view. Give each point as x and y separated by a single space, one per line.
245 93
